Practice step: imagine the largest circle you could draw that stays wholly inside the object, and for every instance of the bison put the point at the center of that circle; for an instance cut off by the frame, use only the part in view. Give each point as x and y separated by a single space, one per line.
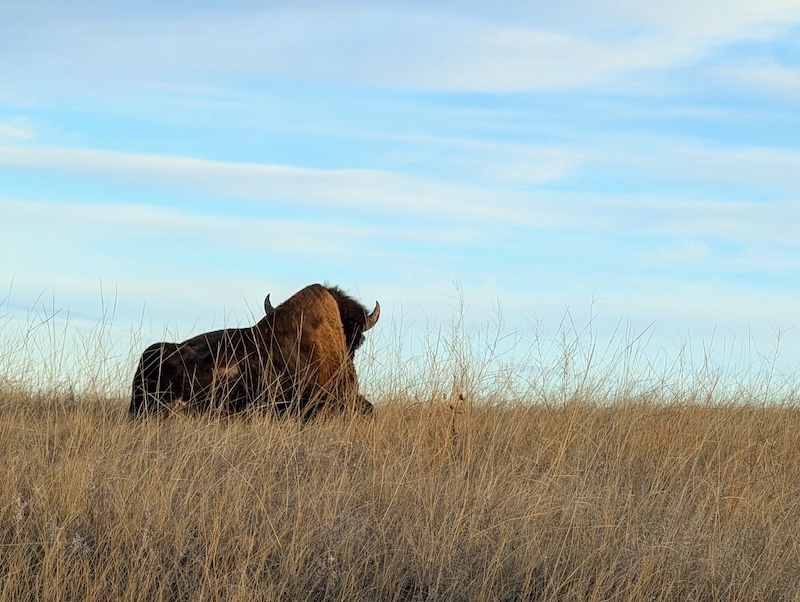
296 360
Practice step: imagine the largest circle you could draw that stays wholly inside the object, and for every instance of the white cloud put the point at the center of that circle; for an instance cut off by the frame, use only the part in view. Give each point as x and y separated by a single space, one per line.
765 77
489 160
705 169
708 19
516 59
370 195
452 47
371 191
185 268
16 130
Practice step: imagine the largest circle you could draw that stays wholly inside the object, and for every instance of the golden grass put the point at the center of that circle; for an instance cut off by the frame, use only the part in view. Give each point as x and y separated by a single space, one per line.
572 471
576 501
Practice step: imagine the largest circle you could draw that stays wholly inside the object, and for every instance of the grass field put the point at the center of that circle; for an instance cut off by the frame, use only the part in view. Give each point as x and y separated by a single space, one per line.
576 502
568 497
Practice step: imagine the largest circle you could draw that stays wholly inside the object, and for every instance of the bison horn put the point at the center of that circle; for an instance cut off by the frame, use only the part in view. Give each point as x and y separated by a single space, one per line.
268 309
372 318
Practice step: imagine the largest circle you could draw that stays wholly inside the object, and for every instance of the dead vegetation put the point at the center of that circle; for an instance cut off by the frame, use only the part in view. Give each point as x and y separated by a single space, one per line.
586 486
570 502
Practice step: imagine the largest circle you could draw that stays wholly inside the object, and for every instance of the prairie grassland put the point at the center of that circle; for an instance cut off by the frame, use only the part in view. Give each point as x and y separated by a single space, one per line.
579 485
632 501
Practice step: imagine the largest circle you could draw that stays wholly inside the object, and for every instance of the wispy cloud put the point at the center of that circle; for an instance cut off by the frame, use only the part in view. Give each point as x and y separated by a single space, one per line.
400 45
765 77
16 130
371 191
374 193
705 19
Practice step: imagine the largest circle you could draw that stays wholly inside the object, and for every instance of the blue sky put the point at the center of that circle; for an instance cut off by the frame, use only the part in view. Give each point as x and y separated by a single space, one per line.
639 160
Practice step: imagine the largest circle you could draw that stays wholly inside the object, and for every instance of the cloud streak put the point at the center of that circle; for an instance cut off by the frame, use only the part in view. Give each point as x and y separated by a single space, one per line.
355 203
376 192
397 46
370 191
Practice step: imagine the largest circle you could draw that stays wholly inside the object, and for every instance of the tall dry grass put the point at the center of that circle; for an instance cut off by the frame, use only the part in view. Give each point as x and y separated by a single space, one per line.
575 502
587 486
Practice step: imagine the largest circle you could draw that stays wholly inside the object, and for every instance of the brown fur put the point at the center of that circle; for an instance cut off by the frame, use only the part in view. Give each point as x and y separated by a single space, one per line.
298 360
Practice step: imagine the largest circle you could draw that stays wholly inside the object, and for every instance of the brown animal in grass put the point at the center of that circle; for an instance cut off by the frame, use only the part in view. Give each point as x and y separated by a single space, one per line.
296 360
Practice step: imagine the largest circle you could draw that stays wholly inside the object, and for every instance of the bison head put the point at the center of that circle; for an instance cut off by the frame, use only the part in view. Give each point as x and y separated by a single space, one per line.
355 319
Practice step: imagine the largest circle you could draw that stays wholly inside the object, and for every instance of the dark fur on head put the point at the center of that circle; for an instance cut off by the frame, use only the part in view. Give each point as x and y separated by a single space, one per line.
353 315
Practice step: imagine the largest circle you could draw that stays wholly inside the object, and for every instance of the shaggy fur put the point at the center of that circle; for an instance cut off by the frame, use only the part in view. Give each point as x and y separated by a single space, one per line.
298 359
353 316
